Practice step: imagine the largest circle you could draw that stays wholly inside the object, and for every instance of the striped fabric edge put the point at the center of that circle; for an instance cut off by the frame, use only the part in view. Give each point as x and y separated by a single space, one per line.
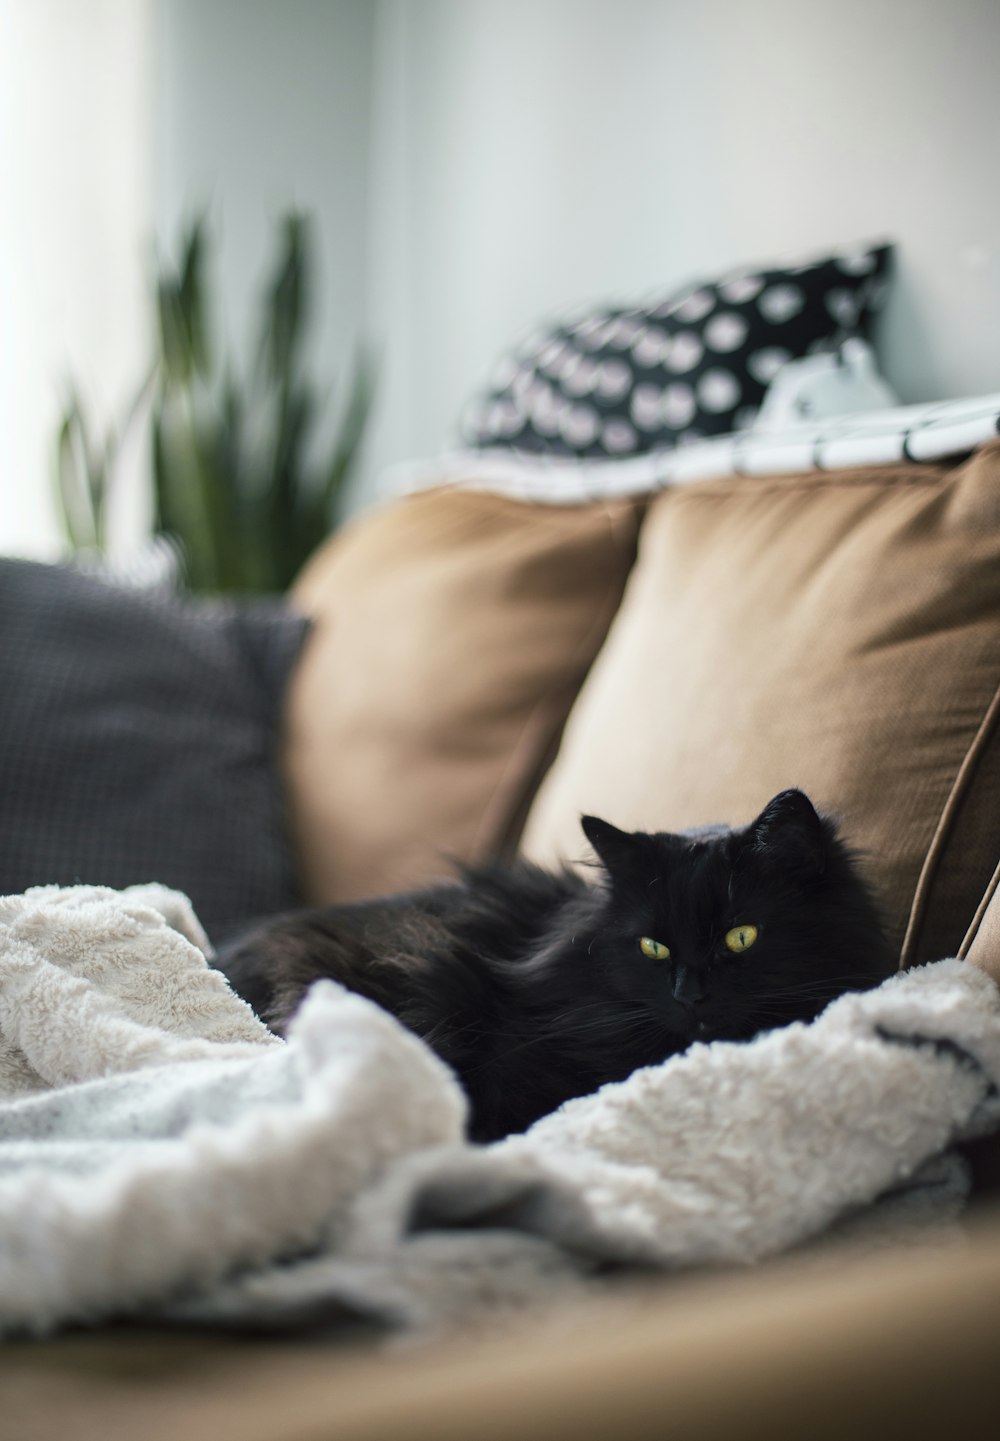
905 433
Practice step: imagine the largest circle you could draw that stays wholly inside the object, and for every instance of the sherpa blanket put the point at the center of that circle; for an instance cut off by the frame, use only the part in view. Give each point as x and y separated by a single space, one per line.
162 1155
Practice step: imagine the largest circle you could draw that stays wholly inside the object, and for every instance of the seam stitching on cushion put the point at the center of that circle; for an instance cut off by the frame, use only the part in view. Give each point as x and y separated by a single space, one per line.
977 919
959 790
532 723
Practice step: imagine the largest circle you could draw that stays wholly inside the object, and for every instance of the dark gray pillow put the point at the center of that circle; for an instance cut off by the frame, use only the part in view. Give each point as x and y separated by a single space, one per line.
138 741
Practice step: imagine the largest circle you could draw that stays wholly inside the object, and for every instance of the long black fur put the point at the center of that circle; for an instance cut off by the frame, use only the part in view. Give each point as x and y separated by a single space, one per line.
532 985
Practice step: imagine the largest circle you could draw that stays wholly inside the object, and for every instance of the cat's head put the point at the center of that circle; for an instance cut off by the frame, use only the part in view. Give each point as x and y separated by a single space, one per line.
727 932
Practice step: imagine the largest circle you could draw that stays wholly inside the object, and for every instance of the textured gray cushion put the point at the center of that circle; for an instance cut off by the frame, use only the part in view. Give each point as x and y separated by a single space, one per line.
138 736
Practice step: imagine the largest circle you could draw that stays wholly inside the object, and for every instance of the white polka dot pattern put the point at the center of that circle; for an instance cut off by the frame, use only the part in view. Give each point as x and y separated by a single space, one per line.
626 380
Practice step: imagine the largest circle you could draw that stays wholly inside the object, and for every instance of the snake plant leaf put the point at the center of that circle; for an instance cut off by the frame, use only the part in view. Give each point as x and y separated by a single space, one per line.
72 490
285 303
352 426
182 312
237 483
191 297
175 351
184 504
320 506
83 477
290 479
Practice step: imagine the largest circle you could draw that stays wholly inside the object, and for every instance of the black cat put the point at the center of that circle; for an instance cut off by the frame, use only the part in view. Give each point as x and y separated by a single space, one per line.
535 987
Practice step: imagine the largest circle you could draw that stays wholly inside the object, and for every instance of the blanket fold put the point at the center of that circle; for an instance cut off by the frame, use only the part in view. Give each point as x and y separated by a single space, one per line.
162 1154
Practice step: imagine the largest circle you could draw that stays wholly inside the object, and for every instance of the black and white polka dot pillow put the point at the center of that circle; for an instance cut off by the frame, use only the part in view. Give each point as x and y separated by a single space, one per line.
621 381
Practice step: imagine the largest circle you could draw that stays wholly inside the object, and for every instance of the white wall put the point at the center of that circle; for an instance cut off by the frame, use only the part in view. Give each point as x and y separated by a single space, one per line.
118 120
473 165
263 106
558 150
75 208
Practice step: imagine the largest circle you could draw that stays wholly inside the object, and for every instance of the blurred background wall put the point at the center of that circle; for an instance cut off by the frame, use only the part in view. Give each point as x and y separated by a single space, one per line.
562 149
473 165
262 105
76 198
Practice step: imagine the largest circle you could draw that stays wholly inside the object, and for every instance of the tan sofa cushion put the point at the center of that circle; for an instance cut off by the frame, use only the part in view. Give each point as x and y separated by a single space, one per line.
452 632
840 633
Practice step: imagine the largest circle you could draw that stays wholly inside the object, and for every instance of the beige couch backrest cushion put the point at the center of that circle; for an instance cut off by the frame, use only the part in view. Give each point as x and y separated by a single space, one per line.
452 632
840 633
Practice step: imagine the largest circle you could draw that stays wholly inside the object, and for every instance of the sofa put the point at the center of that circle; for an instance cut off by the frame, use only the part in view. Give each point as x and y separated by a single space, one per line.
477 672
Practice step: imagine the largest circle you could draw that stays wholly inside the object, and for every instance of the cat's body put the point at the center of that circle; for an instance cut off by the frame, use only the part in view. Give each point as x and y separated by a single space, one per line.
537 986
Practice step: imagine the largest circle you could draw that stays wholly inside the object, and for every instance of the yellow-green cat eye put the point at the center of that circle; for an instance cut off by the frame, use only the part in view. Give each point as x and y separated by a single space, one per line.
740 938
656 950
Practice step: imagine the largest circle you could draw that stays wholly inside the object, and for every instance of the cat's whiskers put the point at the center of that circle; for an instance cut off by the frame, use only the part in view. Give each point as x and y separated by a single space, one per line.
806 990
614 1028
446 1029
621 1026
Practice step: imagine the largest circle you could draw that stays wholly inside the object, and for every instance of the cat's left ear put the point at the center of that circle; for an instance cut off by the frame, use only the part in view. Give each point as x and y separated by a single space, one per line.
791 833
614 847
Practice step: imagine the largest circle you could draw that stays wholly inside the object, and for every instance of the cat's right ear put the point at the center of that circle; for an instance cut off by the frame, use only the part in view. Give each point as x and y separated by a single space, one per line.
790 833
614 847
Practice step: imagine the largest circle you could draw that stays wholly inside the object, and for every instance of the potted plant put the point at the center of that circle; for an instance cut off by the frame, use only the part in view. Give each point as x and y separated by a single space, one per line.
237 490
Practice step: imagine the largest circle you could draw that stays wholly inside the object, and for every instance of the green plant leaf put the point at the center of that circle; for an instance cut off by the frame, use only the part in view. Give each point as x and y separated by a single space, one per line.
71 488
352 426
182 312
191 298
284 307
235 481
82 478
175 354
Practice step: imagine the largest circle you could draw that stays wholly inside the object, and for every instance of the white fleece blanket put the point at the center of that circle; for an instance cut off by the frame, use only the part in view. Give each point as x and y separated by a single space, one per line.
162 1155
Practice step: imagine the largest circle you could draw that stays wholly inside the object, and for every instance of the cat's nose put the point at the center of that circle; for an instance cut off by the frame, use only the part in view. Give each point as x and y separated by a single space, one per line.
689 985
